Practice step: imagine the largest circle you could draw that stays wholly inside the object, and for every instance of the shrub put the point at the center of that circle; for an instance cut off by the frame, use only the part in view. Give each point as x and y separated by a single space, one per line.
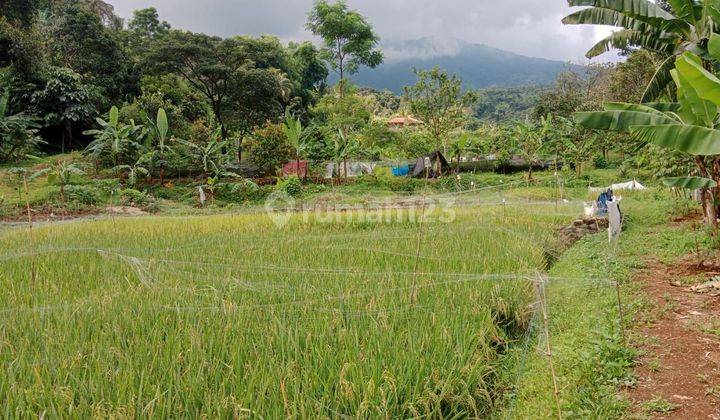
107 186
241 192
291 186
269 148
600 162
139 199
78 196
452 183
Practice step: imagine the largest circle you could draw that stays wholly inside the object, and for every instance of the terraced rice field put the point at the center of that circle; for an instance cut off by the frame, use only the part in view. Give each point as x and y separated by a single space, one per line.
232 316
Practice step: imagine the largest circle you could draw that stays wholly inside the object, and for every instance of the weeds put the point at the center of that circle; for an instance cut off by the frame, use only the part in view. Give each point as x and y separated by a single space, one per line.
659 405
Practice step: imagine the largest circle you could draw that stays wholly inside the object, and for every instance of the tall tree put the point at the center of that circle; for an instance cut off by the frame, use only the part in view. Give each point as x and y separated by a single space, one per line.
145 24
232 74
309 71
84 44
349 38
64 101
439 101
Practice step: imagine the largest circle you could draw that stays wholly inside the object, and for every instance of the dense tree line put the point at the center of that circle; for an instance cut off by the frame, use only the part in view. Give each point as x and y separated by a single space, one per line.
70 61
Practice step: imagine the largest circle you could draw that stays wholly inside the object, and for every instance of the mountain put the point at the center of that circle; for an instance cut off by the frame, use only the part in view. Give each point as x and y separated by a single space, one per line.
479 66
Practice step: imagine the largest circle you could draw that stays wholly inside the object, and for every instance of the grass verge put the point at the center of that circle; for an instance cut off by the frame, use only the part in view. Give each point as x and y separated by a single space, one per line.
590 357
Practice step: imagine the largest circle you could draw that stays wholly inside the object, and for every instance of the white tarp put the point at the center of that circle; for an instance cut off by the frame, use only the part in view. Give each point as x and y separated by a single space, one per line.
353 169
630 185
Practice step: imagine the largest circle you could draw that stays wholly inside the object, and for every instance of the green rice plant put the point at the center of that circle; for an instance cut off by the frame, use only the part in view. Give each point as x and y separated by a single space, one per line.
231 316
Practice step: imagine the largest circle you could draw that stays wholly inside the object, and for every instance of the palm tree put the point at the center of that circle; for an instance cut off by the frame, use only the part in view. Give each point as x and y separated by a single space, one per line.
691 126
688 26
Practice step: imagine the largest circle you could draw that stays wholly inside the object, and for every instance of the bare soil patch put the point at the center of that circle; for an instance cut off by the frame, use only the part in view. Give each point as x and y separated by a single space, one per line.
49 214
679 375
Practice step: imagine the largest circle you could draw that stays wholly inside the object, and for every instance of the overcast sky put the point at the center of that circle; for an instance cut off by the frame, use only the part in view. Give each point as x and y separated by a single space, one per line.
529 27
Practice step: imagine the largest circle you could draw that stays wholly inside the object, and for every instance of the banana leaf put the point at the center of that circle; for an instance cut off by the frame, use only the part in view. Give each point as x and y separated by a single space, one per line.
643 9
621 120
661 79
702 81
692 139
714 47
689 182
704 111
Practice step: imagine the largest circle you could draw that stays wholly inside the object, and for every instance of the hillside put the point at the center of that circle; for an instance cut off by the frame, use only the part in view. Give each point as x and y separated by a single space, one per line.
479 66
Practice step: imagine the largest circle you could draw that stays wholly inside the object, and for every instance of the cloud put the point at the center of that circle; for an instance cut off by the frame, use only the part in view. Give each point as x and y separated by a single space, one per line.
528 27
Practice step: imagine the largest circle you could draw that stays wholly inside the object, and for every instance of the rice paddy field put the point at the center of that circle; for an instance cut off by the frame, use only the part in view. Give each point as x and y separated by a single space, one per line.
332 315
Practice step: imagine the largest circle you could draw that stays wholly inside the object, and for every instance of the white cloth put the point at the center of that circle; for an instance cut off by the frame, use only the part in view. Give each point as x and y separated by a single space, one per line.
354 169
615 218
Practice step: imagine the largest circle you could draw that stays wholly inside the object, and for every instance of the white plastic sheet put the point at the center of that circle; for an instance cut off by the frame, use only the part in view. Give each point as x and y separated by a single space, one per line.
624 186
615 218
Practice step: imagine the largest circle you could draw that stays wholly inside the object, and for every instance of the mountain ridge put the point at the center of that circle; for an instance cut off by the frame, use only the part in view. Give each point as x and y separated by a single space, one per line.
478 65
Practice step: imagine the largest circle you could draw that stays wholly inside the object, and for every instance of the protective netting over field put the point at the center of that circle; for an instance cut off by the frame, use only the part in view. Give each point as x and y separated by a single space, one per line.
353 314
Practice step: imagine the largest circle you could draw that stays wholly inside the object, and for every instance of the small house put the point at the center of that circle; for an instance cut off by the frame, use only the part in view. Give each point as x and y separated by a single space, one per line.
400 123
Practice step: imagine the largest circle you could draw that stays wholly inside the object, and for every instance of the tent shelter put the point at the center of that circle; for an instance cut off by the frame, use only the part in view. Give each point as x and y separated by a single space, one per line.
432 165
625 186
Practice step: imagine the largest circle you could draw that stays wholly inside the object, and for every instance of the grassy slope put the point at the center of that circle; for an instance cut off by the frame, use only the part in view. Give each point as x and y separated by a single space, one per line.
590 357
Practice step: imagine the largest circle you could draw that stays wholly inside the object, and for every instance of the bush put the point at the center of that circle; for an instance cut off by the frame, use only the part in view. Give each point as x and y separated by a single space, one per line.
269 148
384 180
241 192
107 186
291 186
139 199
80 195
600 162
452 183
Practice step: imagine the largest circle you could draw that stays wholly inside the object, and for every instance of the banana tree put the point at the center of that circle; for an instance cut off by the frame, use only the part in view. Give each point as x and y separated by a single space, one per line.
530 140
160 129
210 156
60 173
687 26
137 170
114 141
458 147
18 132
295 133
690 125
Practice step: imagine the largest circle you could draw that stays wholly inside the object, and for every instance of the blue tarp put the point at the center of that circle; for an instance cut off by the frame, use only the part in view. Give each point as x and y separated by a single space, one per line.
602 202
401 170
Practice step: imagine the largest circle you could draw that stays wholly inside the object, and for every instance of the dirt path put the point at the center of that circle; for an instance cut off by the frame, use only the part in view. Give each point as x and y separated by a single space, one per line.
679 375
